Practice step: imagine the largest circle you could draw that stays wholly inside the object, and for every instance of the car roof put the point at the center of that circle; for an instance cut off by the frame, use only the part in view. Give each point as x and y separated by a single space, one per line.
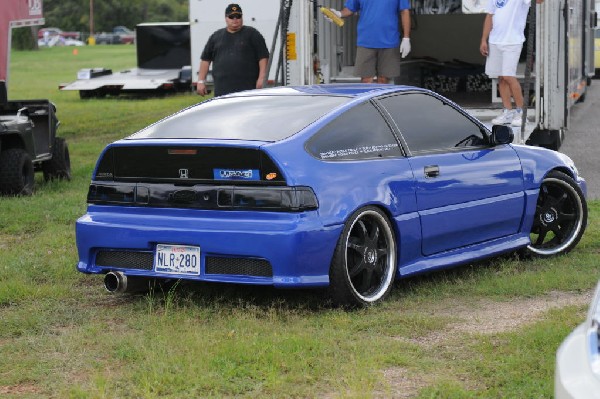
356 90
203 120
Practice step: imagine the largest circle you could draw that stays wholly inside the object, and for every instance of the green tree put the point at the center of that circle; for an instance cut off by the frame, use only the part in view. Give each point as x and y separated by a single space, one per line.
24 38
74 15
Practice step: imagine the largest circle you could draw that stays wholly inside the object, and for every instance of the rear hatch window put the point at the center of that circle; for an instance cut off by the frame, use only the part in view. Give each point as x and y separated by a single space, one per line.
256 118
188 165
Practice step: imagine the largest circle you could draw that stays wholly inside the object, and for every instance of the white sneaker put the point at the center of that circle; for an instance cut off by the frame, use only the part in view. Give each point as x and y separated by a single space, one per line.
505 118
517 119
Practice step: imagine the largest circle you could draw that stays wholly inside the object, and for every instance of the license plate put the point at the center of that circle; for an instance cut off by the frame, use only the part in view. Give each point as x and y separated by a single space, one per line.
177 259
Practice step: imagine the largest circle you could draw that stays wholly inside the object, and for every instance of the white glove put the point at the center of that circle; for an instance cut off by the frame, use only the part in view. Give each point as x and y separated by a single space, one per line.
336 12
405 47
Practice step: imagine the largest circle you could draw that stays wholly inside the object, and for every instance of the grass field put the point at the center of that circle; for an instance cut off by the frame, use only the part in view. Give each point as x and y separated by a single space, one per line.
488 330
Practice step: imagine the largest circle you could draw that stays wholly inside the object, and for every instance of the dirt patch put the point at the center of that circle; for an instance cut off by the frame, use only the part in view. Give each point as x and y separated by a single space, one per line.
19 389
487 317
506 316
7 240
481 317
402 384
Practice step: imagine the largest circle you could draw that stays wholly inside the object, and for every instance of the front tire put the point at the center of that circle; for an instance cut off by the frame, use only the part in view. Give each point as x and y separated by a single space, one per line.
16 172
364 263
560 216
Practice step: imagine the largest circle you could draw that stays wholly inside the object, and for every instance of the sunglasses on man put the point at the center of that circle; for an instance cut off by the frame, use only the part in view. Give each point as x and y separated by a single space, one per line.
235 16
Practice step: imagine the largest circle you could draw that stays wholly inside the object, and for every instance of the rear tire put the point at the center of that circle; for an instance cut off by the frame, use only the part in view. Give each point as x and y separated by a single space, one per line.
560 217
59 167
16 172
85 94
364 263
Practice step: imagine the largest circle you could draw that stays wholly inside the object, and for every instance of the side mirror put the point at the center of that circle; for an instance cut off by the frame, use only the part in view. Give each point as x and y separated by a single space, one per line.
502 134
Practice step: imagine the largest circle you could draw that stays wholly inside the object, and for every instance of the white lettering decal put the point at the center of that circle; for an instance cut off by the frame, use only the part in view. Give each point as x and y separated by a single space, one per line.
246 174
359 150
35 7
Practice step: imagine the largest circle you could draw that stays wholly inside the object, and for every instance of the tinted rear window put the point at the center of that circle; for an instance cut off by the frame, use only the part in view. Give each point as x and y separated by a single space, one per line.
262 118
359 133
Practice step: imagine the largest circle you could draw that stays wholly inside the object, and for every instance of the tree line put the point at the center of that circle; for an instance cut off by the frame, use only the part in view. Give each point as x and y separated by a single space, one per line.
74 15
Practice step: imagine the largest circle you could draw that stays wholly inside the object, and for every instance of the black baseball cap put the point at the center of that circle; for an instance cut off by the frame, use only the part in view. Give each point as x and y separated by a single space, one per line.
233 9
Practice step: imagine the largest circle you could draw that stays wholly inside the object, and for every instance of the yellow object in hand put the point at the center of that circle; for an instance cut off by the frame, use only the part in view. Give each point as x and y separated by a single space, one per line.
331 15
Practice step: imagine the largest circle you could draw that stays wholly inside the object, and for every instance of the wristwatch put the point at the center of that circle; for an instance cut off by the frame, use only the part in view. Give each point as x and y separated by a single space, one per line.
202 82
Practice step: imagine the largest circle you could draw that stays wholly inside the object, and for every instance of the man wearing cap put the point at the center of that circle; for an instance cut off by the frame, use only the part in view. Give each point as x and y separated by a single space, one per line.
239 56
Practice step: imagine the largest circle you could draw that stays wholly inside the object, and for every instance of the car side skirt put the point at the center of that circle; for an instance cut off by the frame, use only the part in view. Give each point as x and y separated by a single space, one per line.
464 255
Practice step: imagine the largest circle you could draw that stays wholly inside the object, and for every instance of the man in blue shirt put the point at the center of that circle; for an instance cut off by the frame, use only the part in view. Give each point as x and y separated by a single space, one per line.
379 37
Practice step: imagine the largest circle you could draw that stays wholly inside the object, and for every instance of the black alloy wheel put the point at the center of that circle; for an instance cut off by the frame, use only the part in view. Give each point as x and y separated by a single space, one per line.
560 216
364 263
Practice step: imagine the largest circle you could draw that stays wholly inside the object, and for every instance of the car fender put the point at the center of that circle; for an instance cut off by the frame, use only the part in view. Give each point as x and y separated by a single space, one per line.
537 162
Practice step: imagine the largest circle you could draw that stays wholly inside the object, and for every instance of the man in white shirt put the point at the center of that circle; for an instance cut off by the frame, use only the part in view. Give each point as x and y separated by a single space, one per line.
501 42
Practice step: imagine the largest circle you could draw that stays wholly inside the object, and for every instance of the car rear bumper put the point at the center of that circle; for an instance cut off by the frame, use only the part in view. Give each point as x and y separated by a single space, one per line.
264 248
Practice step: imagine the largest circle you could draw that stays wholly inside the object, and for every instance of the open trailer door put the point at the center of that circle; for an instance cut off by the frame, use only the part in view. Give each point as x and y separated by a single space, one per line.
28 141
16 14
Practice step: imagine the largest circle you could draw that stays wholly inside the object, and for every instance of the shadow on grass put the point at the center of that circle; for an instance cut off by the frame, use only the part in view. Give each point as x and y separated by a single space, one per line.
223 296
238 295
230 296
136 95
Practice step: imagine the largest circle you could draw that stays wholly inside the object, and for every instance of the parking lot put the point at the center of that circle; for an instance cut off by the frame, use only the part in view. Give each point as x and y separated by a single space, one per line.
582 140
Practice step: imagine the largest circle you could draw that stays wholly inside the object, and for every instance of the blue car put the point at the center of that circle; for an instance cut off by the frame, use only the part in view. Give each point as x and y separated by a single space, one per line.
342 186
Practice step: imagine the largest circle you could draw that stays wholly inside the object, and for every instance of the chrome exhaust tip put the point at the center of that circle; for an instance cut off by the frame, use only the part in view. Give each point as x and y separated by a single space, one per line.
118 282
115 282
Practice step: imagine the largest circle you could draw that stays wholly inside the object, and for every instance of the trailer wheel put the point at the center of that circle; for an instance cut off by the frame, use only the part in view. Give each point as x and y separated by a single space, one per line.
87 94
551 139
59 167
16 172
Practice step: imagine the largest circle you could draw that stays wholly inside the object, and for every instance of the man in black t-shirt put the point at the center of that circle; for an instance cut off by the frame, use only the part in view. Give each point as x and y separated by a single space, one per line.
239 56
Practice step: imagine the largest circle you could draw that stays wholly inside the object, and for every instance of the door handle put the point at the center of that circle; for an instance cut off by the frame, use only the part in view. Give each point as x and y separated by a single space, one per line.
431 171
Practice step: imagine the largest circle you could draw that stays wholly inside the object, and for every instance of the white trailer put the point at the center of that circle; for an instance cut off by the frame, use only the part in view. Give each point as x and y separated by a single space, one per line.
555 69
163 65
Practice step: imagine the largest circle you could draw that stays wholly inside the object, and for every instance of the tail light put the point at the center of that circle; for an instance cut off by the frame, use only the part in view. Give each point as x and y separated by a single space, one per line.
278 199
